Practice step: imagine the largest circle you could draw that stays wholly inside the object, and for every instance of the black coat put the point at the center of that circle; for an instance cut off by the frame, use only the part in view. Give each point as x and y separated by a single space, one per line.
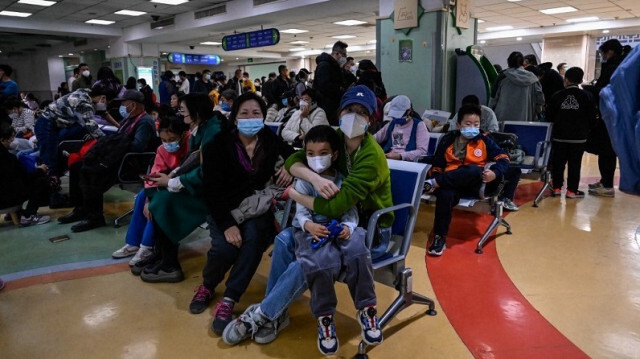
329 83
573 114
14 180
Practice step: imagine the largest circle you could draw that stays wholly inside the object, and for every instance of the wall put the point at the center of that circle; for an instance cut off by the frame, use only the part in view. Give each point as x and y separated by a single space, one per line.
499 54
569 49
454 39
31 72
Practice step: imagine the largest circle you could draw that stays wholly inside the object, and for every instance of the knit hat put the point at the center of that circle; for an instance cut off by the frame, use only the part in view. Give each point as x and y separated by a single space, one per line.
399 106
361 95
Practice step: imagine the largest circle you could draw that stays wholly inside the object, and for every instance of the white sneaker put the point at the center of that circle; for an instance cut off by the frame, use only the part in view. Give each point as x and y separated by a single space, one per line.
141 254
34 219
126 251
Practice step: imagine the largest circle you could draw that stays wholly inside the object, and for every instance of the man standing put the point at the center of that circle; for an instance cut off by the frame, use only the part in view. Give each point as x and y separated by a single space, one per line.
148 94
184 83
204 85
329 80
8 87
236 82
267 89
166 88
84 80
281 83
73 78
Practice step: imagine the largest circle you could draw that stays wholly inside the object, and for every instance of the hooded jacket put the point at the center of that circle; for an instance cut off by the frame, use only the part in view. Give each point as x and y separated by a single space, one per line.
518 96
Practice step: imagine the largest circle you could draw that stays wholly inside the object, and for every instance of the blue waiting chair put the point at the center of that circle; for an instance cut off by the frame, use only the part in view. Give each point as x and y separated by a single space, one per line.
276 127
535 140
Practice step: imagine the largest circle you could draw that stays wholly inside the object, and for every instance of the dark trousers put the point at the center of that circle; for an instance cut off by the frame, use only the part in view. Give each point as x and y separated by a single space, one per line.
39 191
257 234
167 249
465 181
512 177
86 189
607 167
569 154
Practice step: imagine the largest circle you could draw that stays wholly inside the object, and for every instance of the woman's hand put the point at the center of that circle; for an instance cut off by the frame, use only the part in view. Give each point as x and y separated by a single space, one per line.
325 187
160 179
284 178
316 230
488 176
146 212
393 156
233 236
304 111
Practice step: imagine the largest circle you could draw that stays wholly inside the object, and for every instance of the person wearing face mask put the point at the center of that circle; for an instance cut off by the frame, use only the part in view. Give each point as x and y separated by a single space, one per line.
301 82
458 170
366 184
406 136
140 237
242 159
204 85
149 96
180 209
225 103
308 116
350 69
329 80
22 117
84 80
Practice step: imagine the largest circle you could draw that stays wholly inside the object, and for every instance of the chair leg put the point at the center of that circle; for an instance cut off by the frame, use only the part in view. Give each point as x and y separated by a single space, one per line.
492 227
546 186
506 224
116 223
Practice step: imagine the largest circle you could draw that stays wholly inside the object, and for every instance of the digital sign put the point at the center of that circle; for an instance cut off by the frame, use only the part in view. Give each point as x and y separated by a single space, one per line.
191 59
247 40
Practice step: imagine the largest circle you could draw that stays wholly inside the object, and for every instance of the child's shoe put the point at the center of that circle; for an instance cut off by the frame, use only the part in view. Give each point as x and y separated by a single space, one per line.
126 251
327 340
438 246
576 194
245 326
34 219
557 192
142 254
368 319
222 315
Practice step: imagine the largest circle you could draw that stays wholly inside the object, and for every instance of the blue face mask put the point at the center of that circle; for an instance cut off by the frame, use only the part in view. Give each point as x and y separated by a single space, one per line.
285 102
225 107
249 127
171 146
400 120
123 112
469 132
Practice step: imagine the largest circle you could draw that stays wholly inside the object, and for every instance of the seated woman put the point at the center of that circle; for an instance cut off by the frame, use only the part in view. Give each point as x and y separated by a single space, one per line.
181 209
241 160
367 183
174 134
17 185
22 117
227 97
405 137
308 116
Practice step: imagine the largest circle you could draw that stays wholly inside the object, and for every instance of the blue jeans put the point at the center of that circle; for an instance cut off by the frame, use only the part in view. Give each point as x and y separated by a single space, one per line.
286 277
140 229
49 136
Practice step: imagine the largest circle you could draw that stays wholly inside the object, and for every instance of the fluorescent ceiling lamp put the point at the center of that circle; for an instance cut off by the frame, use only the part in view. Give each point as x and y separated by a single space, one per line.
480 21
299 42
294 31
483 42
372 42
297 49
605 31
129 12
170 2
15 13
350 22
513 0
583 19
500 28
559 10
211 43
37 2
99 22
518 39
70 54
343 37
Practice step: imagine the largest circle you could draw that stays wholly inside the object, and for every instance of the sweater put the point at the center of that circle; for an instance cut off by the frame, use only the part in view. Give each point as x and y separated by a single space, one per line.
299 126
368 183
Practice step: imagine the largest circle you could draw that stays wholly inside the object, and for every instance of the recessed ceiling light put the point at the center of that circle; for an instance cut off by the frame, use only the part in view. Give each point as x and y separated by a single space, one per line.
299 42
483 41
15 13
350 22
294 31
297 49
237 58
211 43
99 22
500 28
70 54
513 0
170 2
60 56
558 10
343 37
129 12
37 2
480 21
518 39
583 19
605 31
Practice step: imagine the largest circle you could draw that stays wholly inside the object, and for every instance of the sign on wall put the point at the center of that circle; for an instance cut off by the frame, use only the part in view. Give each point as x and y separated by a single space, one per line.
462 14
192 59
405 14
247 40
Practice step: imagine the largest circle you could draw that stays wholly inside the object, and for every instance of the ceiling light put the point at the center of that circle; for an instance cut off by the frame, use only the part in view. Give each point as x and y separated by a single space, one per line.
37 2
129 12
513 0
605 31
170 2
583 19
499 28
299 42
480 21
483 41
343 37
558 10
221 60
211 43
237 58
350 22
15 13
99 22
297 49
70 54
372 42
518 39
294 31
60 56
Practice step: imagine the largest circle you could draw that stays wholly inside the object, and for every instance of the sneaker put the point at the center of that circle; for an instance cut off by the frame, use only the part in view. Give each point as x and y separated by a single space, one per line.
438 246
595 185
576 194
327 340
368 319
126 251
222 316
201 300
509 205
603 191
245 326
34 219
269 331
163 275
142 254
557 192
150 261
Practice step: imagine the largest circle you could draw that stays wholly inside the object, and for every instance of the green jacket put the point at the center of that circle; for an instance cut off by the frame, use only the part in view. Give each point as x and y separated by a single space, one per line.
368 183
179 213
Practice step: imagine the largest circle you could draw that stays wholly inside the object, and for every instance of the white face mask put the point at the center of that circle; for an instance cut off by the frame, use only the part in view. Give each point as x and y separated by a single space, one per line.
319 164
86 73
353 125
353 69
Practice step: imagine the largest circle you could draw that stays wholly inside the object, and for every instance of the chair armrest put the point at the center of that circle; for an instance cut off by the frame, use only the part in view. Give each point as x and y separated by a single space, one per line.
373 220
541 150
129 156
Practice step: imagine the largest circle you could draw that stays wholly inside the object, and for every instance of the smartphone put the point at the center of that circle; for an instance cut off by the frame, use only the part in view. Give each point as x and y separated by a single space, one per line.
60 238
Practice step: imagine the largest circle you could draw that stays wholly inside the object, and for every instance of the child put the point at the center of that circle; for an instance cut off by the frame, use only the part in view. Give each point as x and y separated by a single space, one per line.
458 170
572 112
323 265
175 147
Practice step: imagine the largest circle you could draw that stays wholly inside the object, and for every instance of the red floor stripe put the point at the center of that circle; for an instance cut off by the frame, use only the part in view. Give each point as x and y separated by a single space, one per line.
490 315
